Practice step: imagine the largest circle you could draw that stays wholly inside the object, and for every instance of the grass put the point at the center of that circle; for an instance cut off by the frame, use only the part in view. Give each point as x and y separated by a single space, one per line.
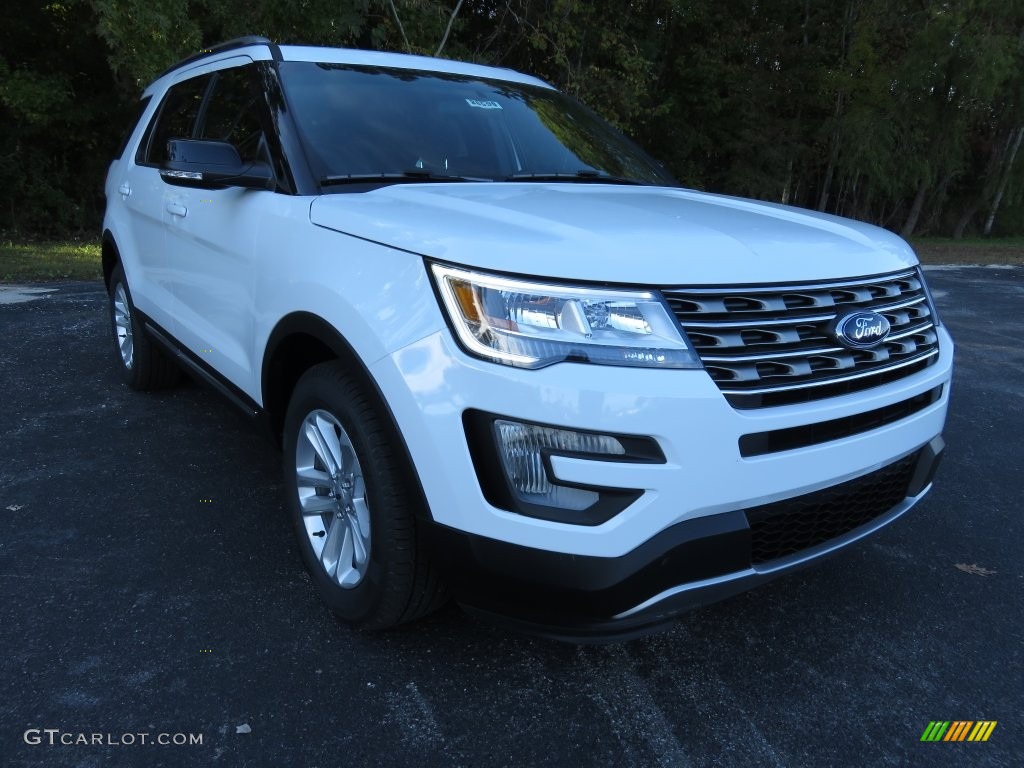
80 260
969 250
62 260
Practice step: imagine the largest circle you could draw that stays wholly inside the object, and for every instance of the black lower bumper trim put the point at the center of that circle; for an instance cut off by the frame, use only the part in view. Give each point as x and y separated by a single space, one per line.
554 588
585 598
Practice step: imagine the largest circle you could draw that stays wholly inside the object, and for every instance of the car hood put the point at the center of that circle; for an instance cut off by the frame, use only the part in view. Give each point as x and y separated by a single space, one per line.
621 234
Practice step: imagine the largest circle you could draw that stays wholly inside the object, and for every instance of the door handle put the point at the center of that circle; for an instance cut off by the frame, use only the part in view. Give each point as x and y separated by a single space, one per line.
125 189
176 209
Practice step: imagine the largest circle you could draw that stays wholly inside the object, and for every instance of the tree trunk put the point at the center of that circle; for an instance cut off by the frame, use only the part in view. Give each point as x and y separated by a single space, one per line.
990 220
915 210
961 225
855 202
841 197
832 157
936 204
448 29
1000 149
398 21
849 14
789 178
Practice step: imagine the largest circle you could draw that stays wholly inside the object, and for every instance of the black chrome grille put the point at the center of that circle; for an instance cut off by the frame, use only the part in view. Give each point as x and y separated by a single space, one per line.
770 344
793 525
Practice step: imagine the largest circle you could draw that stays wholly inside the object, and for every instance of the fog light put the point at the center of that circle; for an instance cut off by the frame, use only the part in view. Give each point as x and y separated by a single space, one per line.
523 448
512 460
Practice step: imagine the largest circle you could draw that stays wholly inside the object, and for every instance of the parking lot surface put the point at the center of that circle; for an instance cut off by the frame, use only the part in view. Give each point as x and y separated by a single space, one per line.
149 584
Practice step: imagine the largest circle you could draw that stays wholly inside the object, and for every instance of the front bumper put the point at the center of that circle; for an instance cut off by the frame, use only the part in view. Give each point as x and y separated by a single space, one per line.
430 385
693 563
686 540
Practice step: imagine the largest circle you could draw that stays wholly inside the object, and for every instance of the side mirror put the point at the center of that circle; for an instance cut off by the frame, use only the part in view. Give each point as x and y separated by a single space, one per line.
195 163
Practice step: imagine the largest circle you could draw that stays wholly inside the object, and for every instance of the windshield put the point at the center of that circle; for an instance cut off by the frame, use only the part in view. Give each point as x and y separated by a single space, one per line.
360 123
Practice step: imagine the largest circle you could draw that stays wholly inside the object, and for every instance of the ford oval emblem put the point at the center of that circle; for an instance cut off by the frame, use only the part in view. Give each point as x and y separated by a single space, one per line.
860 330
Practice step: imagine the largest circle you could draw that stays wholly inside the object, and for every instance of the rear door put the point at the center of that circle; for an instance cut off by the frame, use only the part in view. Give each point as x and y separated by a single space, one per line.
142 192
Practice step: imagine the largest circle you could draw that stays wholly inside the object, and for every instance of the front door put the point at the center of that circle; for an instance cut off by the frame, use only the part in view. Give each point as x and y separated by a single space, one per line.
212 235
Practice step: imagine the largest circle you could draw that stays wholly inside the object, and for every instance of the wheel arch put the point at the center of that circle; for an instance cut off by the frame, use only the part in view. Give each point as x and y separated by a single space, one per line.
301 340
110 255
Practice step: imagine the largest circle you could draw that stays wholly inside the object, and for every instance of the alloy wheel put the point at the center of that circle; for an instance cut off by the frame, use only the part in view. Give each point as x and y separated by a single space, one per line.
332 497
123 326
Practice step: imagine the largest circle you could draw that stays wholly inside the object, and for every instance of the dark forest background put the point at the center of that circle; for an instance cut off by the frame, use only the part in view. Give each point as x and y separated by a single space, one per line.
904 113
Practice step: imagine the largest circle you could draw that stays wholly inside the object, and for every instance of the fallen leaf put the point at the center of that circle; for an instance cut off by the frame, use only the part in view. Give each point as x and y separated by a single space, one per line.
243 728
974 569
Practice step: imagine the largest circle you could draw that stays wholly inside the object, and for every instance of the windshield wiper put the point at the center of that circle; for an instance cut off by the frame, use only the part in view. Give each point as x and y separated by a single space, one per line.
413 175
579 176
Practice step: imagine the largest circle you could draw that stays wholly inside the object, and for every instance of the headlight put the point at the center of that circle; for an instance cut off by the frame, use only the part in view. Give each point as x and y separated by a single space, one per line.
530 325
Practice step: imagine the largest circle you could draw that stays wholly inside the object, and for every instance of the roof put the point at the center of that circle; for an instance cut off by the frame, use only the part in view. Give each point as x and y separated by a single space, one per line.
261 48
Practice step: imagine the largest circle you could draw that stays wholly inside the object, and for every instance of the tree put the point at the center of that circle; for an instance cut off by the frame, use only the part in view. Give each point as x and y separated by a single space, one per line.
60 113
906 113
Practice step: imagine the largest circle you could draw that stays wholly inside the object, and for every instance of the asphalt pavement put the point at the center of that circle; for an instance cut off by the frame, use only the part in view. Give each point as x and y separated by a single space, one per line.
150 590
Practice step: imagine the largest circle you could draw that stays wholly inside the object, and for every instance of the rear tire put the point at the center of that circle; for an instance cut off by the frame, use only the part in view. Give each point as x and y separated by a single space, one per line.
353 503
142 365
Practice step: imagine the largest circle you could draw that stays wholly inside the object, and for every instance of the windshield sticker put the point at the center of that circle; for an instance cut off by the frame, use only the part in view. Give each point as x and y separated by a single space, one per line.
483 104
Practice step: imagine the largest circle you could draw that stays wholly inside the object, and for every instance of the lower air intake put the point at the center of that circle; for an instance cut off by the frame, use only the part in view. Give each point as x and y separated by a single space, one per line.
792 525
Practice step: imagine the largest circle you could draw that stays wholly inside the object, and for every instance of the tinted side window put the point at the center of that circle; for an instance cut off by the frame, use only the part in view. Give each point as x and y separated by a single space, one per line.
131 127
176 120
231 114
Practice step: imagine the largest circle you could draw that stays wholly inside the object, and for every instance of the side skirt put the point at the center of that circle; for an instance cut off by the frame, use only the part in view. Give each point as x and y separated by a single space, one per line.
204 374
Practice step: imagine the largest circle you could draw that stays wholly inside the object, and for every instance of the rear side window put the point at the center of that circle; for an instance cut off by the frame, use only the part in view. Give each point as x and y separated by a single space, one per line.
131 127
175 120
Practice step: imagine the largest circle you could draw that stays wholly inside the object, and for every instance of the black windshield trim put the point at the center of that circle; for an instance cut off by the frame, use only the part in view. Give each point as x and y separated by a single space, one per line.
407 177
581 177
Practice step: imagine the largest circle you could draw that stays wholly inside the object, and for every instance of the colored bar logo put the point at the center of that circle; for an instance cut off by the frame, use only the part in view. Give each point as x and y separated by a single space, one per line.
958 730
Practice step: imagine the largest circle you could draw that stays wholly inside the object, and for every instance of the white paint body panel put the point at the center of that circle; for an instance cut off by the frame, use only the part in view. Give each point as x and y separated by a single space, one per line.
641 235
223 277
432 382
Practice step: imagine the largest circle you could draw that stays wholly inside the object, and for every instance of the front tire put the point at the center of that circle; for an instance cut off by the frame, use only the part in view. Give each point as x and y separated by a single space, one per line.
353 504
141 364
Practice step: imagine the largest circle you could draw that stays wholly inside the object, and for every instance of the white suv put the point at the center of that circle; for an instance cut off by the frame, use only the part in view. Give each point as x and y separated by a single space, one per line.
508 358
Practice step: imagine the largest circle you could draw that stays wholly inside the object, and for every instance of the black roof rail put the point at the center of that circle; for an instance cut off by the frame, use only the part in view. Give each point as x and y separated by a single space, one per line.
238 42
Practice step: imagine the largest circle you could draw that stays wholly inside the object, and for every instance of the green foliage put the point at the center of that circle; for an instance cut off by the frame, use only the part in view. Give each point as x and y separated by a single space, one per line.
60 114
62 260
970 250
899 112
34 98
144 36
